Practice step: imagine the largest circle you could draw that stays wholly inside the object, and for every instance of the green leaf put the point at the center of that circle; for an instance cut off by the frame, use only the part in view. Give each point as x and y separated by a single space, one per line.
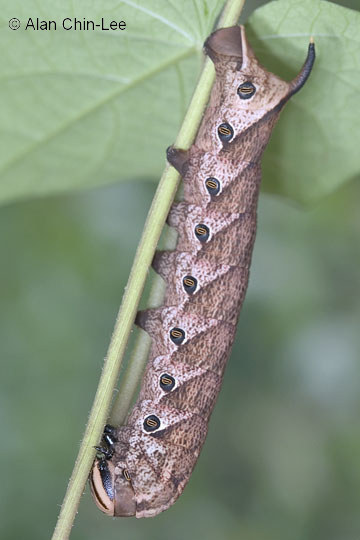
86 108
315 146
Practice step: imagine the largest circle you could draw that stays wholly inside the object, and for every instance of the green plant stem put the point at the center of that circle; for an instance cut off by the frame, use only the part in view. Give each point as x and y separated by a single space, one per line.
144 255
129 380
133 373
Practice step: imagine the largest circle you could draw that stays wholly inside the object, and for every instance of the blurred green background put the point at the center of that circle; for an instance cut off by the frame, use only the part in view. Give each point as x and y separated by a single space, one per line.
282 458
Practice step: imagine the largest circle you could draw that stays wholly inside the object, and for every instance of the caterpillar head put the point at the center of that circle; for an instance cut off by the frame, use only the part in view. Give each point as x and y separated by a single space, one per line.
112 489
246 91
102 485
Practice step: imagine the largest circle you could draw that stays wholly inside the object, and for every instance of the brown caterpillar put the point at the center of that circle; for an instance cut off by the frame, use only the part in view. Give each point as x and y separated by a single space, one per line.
144 466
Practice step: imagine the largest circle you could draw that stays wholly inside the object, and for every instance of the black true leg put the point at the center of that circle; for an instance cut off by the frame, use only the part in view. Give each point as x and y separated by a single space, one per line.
111 430
108 441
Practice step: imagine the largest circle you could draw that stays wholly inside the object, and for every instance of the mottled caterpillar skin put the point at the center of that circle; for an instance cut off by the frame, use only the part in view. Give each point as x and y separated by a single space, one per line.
153 455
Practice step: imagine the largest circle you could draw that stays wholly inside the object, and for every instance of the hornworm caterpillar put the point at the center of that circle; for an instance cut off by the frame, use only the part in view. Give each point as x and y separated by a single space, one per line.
144 466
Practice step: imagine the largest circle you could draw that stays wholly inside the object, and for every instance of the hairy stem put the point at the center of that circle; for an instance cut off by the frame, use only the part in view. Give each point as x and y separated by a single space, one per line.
154 224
